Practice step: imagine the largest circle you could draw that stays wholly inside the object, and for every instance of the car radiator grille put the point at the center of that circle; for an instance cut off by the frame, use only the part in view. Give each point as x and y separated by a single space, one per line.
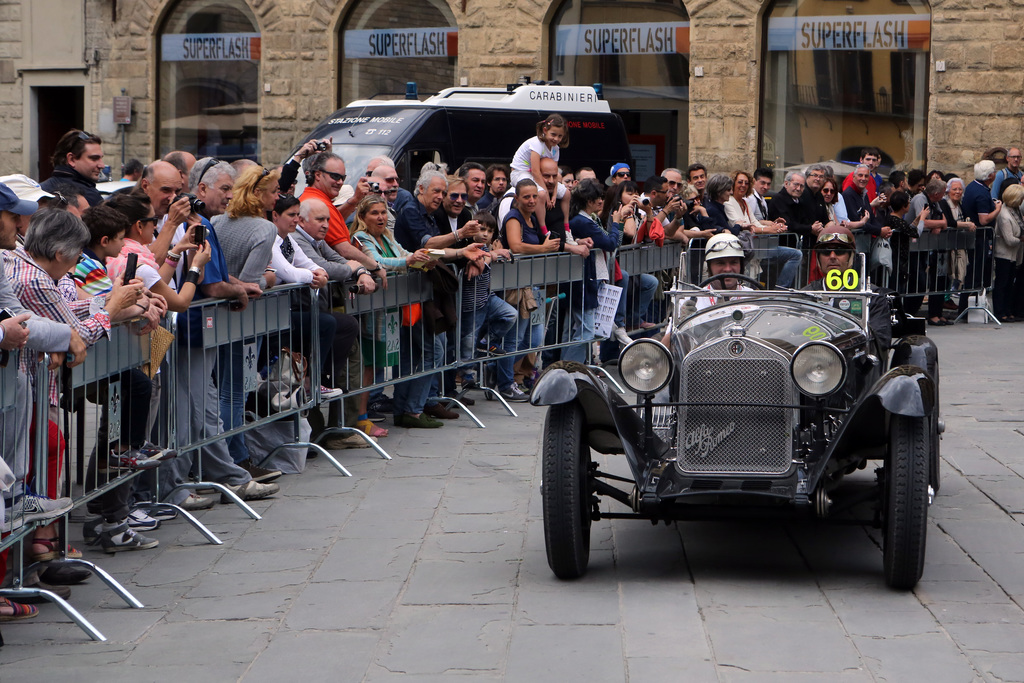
735 440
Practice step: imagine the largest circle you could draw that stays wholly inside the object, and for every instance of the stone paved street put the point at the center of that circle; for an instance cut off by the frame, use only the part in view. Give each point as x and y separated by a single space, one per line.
432 567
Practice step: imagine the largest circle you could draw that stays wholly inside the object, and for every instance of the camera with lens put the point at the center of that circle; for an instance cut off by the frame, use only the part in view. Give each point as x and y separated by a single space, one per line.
196 205
374 187
689 204
646 201
323 146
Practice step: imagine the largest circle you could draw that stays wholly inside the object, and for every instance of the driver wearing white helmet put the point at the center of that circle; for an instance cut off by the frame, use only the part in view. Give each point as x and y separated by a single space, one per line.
723 254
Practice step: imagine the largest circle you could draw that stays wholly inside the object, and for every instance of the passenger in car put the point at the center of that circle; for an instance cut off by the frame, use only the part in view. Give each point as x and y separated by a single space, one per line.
834 251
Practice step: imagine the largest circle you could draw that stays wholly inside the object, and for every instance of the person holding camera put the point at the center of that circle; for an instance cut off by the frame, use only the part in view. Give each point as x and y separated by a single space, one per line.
325 175
162 184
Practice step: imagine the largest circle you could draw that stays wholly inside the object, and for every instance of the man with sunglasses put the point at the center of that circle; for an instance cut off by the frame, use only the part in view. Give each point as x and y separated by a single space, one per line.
325 174
618 173
834 250
78 159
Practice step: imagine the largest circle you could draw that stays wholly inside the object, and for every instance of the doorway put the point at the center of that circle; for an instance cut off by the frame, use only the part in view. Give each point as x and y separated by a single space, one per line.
58 110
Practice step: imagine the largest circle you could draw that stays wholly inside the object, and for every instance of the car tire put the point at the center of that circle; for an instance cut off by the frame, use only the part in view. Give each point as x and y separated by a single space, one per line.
907 473
934 456
566 491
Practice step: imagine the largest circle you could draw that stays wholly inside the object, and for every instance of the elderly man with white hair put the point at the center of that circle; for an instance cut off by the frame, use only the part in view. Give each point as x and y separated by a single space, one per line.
982 210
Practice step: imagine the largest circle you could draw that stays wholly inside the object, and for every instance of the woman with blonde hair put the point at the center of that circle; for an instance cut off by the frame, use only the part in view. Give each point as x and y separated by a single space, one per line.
246 235
247 238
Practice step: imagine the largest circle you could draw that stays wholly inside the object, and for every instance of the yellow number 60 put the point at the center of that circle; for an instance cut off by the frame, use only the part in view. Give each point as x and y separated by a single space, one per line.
847 279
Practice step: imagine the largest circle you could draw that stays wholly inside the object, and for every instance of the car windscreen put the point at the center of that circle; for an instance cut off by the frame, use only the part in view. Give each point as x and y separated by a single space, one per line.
794 322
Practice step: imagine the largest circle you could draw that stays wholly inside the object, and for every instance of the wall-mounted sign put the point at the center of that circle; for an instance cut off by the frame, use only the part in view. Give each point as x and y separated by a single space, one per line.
384 43
848 32
210 47
123 110
651 38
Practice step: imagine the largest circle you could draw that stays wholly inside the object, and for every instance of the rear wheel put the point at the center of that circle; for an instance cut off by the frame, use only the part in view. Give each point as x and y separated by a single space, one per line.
906 501
566 491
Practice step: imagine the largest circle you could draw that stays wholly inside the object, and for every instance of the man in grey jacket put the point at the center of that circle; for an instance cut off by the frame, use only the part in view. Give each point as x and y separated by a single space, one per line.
346 369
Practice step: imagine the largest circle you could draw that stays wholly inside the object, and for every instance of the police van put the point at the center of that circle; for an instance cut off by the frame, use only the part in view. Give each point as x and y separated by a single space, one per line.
486 125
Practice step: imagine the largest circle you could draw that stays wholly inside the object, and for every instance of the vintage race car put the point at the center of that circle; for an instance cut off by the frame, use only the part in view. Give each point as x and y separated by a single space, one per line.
759 405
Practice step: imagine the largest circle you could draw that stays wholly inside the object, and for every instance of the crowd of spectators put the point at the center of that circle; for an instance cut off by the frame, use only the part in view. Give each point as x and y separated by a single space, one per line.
204 228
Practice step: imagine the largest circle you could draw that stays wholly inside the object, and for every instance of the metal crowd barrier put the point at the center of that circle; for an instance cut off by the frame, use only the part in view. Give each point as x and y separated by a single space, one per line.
929 269
226 374
557 319
104 408
396 346
235 374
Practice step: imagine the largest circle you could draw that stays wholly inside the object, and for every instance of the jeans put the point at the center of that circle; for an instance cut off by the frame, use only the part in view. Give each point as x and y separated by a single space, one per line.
631 313
790 259
197 403
231 382
500 320
416 353
582 330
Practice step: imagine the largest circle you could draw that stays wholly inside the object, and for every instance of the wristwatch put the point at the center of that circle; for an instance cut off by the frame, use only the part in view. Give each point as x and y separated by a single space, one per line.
360 271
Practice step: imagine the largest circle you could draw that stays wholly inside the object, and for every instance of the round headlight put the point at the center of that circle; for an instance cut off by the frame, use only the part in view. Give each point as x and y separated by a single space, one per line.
818 368
646 366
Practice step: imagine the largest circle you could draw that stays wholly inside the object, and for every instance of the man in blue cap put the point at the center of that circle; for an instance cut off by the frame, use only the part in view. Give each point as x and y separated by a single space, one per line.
618 173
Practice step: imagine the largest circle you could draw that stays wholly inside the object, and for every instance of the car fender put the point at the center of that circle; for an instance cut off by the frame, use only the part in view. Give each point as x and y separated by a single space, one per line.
917 350
906 390
607 414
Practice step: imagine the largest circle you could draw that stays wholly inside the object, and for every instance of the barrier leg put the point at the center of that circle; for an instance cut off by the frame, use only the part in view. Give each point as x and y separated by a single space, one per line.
454 399
330 458
988 314
189 517
111 582
491 392
64 606
219 487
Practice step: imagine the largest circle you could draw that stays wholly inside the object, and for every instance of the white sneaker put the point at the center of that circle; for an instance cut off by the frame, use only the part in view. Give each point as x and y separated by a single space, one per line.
140 521
327 393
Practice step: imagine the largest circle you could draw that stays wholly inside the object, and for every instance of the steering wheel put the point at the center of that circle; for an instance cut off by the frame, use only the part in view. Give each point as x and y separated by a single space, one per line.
722 276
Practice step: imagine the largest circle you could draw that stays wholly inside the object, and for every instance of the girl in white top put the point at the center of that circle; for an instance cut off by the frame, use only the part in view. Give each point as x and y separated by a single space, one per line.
552 134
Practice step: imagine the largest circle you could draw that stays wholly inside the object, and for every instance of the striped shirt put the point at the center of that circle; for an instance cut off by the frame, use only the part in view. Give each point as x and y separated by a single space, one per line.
54 300
91 275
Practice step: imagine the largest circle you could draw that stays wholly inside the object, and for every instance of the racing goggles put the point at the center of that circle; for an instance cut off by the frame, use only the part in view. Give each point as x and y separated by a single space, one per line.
723 245
834 240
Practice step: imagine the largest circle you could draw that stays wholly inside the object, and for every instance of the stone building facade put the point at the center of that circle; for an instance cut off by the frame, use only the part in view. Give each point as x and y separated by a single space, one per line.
55 51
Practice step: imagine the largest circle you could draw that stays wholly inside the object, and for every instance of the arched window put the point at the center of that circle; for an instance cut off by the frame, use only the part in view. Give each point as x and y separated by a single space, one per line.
840 77
385 45
639 51
208 99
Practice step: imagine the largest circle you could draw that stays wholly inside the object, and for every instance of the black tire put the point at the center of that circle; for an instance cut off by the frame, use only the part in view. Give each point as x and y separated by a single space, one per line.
906 501
935 457
566 491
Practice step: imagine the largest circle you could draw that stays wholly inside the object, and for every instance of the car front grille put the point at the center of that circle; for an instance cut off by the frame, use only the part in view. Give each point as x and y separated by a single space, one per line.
735 440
